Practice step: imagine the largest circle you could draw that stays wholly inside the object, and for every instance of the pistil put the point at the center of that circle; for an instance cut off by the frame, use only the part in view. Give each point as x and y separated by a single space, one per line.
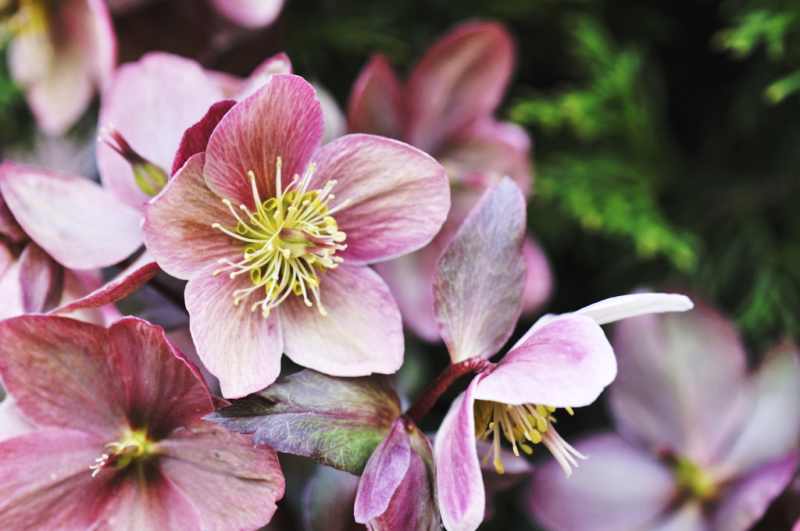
132 445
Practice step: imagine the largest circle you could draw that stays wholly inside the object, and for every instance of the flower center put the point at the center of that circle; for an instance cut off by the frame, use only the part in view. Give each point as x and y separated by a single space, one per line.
288 241
133 445
28 19
520 425
697 481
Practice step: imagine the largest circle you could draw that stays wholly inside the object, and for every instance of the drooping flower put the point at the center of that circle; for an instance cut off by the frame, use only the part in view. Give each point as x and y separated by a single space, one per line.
61 52
561 363
703 445
447 109
276 261
119 441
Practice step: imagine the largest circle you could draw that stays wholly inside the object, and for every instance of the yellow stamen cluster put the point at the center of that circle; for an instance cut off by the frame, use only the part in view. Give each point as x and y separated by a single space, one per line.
132 445
288 241
521 425
697 481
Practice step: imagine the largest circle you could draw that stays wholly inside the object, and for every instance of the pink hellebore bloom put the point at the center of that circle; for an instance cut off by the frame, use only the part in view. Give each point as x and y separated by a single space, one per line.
562 362
252 14
707 446
277 263
447 109
120 442
61 52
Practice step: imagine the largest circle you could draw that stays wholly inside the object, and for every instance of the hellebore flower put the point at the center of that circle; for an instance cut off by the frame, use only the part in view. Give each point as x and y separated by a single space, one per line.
60 53
252 14
120 441
447 109
562 362
277 263
704 445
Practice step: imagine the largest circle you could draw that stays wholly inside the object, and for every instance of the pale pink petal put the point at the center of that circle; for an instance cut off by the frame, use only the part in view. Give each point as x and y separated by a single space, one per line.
566 363
459 81
375 102
42 280
619 488
76 221
101 43
232 484
195 138
627 306
411 506
78 284
151 103
362 333
688 517
335 122
177 228
10 285
249 13
12 422
277 64
539 280
282 119
385 470
239 346
398 196
668 365
459 483
480 276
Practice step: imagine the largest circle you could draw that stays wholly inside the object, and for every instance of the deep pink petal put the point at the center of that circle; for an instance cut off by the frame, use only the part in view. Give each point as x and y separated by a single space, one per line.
195 138
282 119
151 103
668 365
362 333
458 473
539 280
232 484
383 474
566 363
411 506
277 64
480 275
375 103
459 81
12 422
249 13
399 196
76 221
240 347
619 488
8 225
42 280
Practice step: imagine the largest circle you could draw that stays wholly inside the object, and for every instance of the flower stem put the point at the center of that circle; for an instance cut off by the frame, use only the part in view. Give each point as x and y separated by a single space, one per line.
425 402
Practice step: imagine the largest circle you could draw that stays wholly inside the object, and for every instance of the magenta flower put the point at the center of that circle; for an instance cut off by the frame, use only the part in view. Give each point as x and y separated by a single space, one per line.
562 362
61 52
447 109
120 441
275 261
704 445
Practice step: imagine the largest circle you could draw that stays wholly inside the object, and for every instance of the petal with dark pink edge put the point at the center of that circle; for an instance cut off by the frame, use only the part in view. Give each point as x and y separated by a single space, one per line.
362 333
459 484
232 484
682 382
627 306
77 284
12 422
195 138
42 280
398 196
566 363
47 483
385 470
772 427
239 346
539 280
249 13
748 499
619 488
282 119
60 374
177 228
459 81
411 506
479 277
375 103
8 225
148 103
76 221
277 64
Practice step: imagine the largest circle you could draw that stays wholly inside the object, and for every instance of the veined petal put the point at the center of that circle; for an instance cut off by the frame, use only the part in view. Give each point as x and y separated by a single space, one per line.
78 223
458 472
249 13
398 196
375 102
277 64
12 422
411 506
195 138
626 306
361 333
566 363
41 278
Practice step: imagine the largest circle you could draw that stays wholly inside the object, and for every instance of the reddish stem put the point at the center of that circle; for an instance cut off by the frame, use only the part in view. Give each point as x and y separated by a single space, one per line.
425 402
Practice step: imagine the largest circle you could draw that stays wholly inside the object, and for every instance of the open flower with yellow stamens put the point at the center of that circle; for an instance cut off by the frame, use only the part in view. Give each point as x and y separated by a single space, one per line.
275 233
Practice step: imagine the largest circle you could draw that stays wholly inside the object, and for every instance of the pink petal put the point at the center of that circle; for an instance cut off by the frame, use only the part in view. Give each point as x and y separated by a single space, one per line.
627 306
539 280
670 363
335 122
375 103
277 64
10 285
195 138
76 221
177 228
618 488
239 346
12 422
149 104
479 277
458 473
459 81
232 484
362 333
399 196
249 13
411 506
282 119
566 363
688 517
383 474
42 280
8 225
77 284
